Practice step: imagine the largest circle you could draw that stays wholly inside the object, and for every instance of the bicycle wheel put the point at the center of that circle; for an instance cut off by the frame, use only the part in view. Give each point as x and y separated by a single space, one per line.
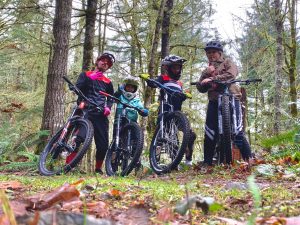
169 143
226 148
54 158
122 160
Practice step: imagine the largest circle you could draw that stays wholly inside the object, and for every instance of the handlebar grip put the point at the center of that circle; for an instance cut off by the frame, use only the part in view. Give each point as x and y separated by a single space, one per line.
256 80
104 93
194 83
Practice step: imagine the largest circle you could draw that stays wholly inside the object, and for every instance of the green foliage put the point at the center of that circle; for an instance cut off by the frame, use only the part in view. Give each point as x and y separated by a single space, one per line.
25 161
281 139
254 189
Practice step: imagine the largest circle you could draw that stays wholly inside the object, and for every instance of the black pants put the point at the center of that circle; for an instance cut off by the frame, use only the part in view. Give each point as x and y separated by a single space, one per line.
190 148
101 126
212 129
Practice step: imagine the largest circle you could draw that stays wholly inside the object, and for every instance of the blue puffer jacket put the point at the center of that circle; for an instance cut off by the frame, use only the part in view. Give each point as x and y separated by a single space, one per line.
131 114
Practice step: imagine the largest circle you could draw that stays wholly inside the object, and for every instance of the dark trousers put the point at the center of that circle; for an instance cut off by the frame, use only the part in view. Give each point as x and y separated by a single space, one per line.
101 125
190 149
212 130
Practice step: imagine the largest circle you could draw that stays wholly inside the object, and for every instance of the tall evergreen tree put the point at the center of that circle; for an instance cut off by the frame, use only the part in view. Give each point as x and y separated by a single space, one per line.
58 61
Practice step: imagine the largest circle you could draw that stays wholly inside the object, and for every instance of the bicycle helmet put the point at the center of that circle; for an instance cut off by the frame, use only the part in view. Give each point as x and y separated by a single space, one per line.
214 45
171 60
107 55
133 82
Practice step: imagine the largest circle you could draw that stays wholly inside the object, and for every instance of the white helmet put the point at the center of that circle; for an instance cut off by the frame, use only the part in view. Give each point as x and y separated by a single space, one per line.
131 81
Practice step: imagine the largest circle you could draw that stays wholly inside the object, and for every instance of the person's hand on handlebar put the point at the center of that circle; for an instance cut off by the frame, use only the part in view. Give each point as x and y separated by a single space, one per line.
106 111
206 81
188 94
145 76
144 112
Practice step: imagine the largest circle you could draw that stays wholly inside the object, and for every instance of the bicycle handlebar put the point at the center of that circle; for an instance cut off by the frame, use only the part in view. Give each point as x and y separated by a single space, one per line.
119 101
248 81
79 93
161 86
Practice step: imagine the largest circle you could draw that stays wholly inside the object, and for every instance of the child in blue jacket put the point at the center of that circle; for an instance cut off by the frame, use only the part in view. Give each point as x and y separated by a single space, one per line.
127 93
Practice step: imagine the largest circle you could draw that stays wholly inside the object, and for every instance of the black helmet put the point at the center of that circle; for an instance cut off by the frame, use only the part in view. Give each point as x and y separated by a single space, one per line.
214 45
172 59
107 55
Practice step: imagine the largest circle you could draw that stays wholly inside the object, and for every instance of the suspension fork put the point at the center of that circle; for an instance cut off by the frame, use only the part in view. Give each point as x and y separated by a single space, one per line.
234 117
118 131
162 119
128 139
220 120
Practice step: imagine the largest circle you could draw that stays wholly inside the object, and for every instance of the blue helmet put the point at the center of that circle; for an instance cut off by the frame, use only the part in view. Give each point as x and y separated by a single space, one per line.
214 45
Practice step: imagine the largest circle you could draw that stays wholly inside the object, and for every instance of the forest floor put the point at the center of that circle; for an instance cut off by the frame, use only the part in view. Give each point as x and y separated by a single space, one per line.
224 196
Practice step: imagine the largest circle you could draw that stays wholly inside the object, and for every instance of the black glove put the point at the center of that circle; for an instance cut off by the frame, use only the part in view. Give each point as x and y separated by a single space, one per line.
150 83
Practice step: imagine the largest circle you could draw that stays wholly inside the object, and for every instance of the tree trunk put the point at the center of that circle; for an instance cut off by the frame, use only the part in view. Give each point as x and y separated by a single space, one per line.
104 27
54 97
149 93
88 46
100 28
292 66
132 57
278 66
165 31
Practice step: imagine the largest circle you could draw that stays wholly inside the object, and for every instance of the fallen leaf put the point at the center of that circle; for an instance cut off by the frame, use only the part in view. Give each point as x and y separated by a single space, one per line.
116 193
272 220
230 221
165 214
134 216
205 203
63 193
10 185
265 170
73 205
99 209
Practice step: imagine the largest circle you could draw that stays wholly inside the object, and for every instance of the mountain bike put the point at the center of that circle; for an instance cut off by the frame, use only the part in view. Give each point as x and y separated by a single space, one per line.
228 124
74 138
172 133
127 145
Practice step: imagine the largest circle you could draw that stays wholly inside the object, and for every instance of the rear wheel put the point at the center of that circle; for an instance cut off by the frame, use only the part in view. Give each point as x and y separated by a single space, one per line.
169 143
226 144
60 156
122 159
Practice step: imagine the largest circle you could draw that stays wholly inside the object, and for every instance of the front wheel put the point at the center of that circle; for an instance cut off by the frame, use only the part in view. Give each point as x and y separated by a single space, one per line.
226 144
61 155
169 142
120 160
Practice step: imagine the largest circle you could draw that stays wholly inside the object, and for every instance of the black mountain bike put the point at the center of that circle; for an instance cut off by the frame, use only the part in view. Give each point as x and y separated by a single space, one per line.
171 136
127 145
227 118
74 138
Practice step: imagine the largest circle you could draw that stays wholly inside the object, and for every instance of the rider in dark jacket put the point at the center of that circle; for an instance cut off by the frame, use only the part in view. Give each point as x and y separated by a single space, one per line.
90 83
172 67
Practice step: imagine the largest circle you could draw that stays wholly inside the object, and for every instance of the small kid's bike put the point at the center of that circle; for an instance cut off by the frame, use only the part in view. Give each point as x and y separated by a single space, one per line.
73 138
228 123
172 133
127 145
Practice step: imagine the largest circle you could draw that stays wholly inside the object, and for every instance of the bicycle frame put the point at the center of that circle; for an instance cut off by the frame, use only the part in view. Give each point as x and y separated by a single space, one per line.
80 110
121 117
163 102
